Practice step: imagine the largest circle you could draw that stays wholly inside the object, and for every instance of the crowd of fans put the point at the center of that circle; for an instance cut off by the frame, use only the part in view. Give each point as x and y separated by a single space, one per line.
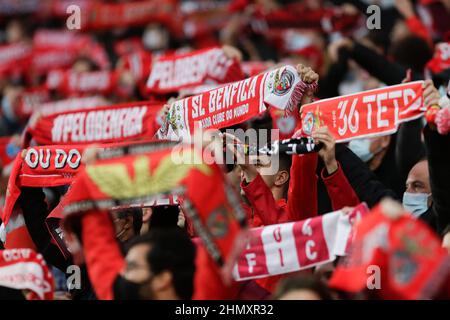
153 252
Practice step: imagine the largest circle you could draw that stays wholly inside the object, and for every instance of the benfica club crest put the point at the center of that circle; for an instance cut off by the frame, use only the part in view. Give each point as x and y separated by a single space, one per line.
402 267
218 222
286 124
283 82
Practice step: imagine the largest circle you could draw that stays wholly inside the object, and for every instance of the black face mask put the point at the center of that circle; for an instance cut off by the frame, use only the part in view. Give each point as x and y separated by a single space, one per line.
128 290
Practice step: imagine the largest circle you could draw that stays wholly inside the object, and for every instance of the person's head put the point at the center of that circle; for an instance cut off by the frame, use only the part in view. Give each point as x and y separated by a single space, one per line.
371 150
156 37
15 31
417 197
162 263
411 52
84 64
302 287
127 222
167 216
446 239
275 171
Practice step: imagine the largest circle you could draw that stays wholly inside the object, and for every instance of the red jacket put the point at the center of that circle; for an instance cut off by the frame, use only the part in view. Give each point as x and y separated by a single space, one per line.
302 194
302 199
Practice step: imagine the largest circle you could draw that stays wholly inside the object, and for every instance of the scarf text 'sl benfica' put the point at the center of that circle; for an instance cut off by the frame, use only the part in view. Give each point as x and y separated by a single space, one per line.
234 103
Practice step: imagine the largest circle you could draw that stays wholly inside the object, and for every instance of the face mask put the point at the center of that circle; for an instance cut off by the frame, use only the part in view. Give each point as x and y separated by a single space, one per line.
361 147
442 91
128 290
8 110
416 203
153 39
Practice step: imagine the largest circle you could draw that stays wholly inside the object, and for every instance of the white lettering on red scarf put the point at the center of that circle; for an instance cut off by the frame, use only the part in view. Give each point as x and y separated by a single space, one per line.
191 69
293 246
98 125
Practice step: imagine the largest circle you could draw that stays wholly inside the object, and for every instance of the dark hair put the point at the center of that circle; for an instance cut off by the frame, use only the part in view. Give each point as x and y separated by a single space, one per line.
136 213
164 216
171 250
412 52
305 282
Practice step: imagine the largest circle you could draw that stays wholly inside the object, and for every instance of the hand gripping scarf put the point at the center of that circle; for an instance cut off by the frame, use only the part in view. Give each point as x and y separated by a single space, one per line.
24 269
365 114
233 103
408 254
174 72
139 173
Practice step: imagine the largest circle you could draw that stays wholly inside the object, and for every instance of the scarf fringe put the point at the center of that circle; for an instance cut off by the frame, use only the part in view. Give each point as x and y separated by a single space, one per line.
297 95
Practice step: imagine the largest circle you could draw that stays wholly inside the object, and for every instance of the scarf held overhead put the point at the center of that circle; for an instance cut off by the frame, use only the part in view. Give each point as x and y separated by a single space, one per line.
366 114
294 246
131 121
410 260
24 269
174 72
233 103
46 166
119 179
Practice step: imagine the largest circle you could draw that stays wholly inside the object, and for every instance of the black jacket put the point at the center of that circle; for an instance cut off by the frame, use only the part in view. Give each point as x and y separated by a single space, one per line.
35 211
438 153
365 183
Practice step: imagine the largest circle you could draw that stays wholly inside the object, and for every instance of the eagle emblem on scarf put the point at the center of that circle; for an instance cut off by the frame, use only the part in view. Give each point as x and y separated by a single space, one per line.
115 181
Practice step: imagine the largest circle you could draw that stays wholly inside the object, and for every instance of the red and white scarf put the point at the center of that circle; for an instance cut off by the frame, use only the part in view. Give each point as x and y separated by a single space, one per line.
233 103
366 114
82 83
45 166
106 183
24 269
294 246
14 57
31 100
108 124
71 104
178 71
409 257
118 15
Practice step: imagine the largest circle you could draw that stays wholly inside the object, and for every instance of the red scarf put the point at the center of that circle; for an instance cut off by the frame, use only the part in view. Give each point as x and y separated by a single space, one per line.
409 255
31 100
47 166
365 114
71 104
294 246
234 103
24 269
173 72
130 121
14 57
81 83
139 173
118 15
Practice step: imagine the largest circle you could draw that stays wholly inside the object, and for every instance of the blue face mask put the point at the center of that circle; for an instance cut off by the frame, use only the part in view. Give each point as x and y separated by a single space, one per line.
361 147
416 203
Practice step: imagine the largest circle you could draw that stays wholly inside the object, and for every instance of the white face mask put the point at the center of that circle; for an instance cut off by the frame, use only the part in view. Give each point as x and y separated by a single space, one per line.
154 39
416 203
361 147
